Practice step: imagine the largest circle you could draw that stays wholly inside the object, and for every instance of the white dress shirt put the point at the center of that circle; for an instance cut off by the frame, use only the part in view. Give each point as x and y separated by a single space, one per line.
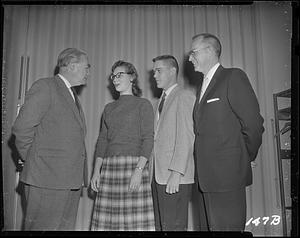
67 84
207 79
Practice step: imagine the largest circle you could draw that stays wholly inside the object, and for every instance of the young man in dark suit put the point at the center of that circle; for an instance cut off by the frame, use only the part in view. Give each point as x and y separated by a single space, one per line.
50 131
228 131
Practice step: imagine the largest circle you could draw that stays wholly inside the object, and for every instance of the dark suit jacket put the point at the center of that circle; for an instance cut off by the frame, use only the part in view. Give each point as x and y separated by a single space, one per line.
228 128
50 134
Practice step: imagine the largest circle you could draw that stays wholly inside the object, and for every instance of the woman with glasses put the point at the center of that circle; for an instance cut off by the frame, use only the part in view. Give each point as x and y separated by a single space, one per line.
124 145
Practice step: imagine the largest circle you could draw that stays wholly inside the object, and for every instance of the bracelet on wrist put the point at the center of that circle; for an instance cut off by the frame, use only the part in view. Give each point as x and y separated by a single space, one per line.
139 168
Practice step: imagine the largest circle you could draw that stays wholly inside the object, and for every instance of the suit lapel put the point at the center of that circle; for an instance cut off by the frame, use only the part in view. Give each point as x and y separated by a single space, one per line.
63 90
211 86
196 105
156 116
167 104
81 113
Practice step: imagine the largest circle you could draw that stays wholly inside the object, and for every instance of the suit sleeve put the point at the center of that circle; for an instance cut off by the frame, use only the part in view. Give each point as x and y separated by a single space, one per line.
36 105
244 104
184 140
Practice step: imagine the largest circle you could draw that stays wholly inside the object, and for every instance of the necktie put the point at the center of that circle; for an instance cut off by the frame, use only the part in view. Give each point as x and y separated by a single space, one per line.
161 104
76 98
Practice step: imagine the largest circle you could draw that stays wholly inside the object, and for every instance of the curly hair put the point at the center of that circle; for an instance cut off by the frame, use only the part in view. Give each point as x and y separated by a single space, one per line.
136 90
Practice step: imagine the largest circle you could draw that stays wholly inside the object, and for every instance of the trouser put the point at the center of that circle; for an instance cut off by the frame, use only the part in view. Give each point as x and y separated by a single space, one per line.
51 209
200 204
171 210
226 211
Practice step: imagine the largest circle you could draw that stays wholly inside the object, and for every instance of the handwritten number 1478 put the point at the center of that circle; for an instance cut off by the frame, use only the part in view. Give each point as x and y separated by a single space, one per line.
274 220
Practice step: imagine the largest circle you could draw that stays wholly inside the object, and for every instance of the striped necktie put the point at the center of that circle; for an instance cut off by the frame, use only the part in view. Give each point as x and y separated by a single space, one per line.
76 98
161 104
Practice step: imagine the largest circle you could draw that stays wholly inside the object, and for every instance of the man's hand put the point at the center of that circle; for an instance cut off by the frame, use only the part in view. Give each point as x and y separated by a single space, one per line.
173 182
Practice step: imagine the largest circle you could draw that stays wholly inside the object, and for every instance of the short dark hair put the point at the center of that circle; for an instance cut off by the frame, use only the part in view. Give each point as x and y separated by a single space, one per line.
211 40
170 59
136 90
69 55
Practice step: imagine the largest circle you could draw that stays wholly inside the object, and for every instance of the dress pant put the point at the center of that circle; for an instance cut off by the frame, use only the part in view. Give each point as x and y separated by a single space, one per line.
226 211
200 205
171 210
51 209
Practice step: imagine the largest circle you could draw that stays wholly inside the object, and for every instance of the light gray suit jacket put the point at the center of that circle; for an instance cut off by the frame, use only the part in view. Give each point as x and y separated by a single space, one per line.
50 132
174 138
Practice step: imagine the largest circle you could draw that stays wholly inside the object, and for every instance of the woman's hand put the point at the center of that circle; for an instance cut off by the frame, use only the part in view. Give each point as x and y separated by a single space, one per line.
95 181
136 179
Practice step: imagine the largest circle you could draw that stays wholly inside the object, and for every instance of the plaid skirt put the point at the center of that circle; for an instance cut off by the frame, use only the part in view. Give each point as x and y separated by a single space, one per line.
117 209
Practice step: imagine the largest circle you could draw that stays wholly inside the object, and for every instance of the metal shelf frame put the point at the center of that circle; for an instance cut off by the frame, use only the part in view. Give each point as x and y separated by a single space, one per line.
282 115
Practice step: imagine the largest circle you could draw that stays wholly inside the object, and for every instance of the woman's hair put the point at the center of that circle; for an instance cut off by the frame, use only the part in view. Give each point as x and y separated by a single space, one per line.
130 69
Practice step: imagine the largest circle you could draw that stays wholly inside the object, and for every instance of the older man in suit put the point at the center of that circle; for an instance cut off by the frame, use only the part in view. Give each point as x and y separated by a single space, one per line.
228 128
50 131
172 165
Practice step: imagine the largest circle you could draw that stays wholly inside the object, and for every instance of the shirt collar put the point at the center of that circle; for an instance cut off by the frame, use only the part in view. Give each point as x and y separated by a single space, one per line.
168 91
212 71
67 83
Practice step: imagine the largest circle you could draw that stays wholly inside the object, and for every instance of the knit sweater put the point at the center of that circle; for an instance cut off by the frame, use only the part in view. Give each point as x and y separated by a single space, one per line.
126 128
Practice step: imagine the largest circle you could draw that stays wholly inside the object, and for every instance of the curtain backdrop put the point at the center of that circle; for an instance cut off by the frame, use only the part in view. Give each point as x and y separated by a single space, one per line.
255 38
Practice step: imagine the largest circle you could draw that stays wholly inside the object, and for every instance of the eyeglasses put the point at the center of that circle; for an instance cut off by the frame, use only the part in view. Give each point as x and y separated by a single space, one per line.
193 52
117 75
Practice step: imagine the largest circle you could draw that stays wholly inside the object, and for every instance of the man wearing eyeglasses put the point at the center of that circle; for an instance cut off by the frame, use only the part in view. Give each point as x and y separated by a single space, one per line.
50 130
172 165
228 129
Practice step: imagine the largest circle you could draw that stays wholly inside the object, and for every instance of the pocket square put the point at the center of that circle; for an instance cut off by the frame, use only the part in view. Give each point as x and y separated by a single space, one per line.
212 100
